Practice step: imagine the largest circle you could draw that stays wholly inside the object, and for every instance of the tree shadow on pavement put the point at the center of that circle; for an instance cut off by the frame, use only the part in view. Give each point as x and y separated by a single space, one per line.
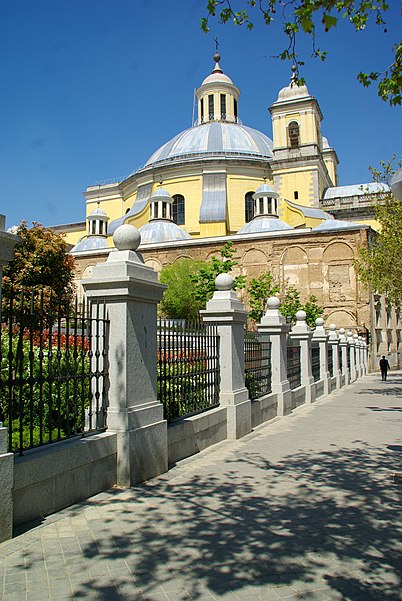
323 525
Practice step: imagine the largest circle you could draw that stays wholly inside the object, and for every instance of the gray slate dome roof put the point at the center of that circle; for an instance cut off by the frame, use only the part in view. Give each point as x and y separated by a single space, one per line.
90 243
264 224
215 138
162 231
337 224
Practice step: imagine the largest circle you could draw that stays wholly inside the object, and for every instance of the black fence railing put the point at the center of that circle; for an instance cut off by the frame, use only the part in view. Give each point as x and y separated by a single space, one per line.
348 356
330 361
257 365
340 355
188 368
54 368
315 362
293 365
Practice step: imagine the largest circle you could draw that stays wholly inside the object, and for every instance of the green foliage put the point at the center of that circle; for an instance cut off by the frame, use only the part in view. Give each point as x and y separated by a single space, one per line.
204 279
49 384
259 291
40 261
184 385
291 304
307 17
379 265
179 300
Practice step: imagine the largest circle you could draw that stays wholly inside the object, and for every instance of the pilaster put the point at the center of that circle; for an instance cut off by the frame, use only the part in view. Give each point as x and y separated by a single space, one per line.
302 333
274 325
320 336
131 292
227 312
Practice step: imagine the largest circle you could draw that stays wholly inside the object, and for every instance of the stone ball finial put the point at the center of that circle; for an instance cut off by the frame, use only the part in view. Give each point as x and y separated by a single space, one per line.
341 331
332 327
273 302
355 336
217 57
224 281
350 333
126 237
319 322
301 315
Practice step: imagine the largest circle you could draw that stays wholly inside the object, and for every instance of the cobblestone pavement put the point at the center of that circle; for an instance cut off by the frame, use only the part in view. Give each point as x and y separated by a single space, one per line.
305 507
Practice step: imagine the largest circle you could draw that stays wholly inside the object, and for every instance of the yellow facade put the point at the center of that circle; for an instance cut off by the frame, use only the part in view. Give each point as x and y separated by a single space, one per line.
299 166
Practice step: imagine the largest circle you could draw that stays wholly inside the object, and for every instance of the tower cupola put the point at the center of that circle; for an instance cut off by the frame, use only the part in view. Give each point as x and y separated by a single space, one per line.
217 97
265 201
97 223
161 205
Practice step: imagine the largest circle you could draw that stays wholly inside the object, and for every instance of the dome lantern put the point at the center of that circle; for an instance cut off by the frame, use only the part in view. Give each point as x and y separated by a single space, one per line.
217 97
160 205
265 201
97 222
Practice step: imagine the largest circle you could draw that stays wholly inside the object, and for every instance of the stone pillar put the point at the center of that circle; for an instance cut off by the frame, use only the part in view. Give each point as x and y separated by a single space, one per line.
6 487
302 333
274 325
351 344
333 342
358 352
227 312
343 347
320 336
365 357
131 292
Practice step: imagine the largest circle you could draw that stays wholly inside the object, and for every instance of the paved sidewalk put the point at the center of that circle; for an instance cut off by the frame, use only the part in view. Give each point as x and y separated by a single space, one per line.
305 507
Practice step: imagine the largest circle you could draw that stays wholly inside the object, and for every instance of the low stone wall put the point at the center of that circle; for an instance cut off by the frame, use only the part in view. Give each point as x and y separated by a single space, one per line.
53 477
191 435
298 397
264 409
319 388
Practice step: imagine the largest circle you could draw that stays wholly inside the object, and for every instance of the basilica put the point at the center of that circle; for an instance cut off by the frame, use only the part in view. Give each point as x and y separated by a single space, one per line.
277 199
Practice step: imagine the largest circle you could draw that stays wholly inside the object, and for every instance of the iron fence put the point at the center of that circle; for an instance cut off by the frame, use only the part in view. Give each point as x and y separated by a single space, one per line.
340 355
348 357
54 368
257 365
330 360
315 362
293 365
188 368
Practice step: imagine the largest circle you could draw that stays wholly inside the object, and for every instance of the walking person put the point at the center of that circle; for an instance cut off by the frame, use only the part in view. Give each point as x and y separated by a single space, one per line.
384 366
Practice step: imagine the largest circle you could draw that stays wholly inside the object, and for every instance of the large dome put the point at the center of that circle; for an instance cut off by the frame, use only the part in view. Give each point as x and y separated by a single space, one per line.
215 138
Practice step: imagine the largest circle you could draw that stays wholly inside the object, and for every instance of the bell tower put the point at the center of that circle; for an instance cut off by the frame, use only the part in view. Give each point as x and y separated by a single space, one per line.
304 165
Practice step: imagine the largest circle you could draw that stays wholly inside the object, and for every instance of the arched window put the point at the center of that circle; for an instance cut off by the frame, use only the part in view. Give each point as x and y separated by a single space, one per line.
178 215
249 206
293 134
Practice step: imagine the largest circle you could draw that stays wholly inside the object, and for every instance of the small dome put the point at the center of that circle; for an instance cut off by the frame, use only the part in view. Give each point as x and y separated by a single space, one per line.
162 231
293 91
265 190
98 212
161 194
264 224
217 77
89 243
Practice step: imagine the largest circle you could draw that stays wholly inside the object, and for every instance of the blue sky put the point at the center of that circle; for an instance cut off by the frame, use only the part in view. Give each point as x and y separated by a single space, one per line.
91 88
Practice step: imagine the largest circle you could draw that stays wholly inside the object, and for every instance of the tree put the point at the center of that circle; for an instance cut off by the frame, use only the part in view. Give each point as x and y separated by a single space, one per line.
291 304
259 291
191 284
306 16
379 264
40 262
204 279
179 301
